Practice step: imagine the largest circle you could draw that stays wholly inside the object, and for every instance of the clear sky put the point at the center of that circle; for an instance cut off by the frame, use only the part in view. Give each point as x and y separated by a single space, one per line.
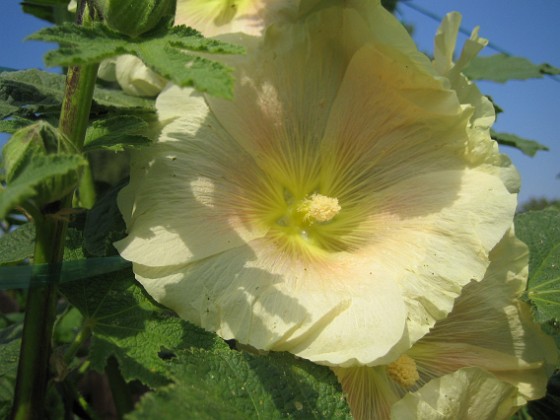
527 28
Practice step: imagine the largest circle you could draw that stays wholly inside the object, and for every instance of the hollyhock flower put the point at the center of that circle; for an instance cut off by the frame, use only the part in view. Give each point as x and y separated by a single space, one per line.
489 329
335 208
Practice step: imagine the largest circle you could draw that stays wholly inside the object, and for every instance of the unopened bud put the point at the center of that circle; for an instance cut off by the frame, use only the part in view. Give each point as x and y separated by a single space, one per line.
134 17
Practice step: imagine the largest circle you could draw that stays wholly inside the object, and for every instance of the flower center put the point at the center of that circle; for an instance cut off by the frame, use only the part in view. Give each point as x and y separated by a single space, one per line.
306 226
318 208
403 371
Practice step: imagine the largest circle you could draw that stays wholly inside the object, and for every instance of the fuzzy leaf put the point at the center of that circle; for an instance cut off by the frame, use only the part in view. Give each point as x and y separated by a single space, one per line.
116 133
13 125
527 147
162 50
235 385
17 245
45 179
10 344
127 325
540 230
27 92
501 68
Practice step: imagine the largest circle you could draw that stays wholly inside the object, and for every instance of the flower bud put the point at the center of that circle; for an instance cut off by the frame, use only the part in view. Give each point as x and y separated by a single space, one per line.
134 17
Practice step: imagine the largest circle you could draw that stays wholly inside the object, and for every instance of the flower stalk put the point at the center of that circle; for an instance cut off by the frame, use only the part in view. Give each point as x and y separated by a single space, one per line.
40 315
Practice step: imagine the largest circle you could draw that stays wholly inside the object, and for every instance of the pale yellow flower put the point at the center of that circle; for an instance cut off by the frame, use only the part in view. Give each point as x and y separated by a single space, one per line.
334 208
217 17
488 329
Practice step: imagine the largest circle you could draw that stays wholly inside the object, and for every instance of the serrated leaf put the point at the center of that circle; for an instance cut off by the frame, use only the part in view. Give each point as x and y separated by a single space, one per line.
17 245
116 133
127 325
234 385
27 92
540 230
39 138
45 179
501 68
162 50
527 147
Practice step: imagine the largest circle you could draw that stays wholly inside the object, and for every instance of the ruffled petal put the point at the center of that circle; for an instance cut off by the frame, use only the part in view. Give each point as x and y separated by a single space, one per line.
469 394
489 328
250 294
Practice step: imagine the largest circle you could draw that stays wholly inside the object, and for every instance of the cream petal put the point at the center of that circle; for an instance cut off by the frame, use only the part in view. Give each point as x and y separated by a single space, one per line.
136 79
321 313
180 204
369 391
468 394
287 107
432 234
489 328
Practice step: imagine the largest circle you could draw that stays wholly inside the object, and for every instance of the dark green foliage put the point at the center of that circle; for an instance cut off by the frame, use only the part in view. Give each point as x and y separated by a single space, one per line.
540 230
222 383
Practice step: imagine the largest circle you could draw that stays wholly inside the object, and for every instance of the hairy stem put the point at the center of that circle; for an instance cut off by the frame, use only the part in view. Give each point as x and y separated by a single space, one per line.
49 249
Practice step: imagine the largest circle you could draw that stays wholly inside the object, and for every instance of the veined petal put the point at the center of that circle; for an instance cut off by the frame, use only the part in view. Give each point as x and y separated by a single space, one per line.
251 294
174 197
491 329
216 17
488 328
335 208
469 394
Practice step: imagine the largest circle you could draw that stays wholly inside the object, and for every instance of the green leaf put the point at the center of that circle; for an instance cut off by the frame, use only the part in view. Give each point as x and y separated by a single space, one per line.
13 125
162 50
45 179
229 384
30 91
104 225
527 147
37 139
50 10
17 245
501 68
127 324
540 230
117 134
10 344
27 92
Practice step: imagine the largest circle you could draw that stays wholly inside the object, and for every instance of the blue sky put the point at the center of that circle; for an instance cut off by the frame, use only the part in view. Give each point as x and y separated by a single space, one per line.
524 28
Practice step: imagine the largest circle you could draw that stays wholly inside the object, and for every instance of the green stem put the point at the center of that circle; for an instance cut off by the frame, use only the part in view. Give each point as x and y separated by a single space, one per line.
33 365
79 340
122 396
39 319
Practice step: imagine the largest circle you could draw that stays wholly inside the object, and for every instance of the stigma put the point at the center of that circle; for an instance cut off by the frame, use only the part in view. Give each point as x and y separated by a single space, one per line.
318 208
403 371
